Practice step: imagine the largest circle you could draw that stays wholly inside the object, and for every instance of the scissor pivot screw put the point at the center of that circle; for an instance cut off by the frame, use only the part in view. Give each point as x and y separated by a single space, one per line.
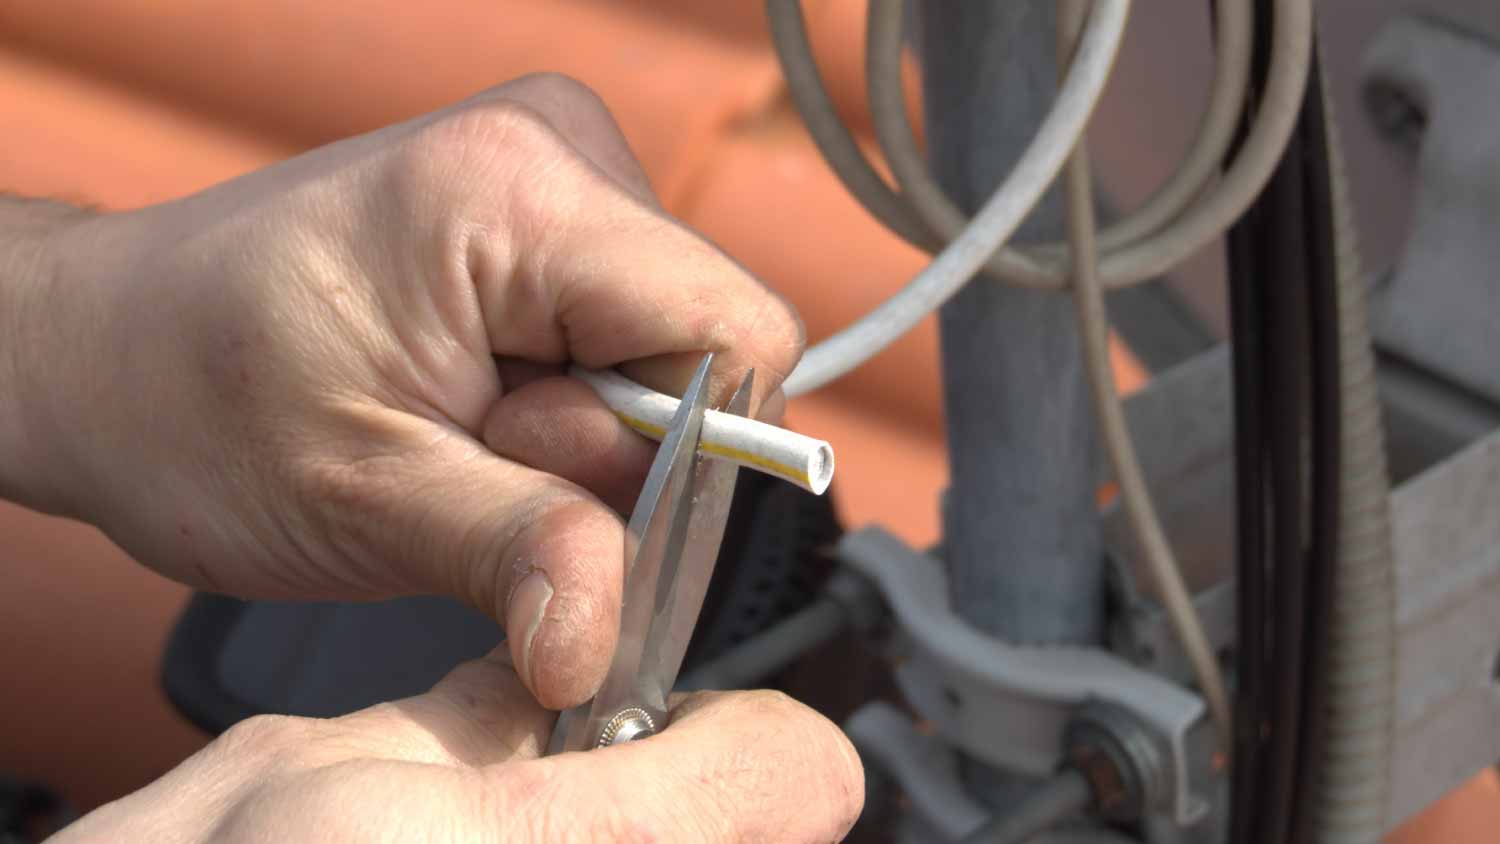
629 725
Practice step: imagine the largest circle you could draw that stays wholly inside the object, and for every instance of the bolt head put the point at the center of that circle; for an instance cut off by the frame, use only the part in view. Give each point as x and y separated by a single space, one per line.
627 725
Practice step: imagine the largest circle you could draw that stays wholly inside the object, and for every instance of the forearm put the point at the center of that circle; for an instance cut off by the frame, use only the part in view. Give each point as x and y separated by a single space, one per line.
34 332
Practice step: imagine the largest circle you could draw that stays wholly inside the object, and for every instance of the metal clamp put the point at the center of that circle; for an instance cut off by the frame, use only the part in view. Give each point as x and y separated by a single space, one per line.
1006 704
1438 306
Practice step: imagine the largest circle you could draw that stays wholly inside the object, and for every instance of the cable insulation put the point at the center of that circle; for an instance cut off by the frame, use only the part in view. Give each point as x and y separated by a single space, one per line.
1354 774
1205 219
804 461
1199 167
1135 498
996 220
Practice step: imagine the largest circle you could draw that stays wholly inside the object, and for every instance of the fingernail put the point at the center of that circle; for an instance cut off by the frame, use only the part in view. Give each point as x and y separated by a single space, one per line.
528 606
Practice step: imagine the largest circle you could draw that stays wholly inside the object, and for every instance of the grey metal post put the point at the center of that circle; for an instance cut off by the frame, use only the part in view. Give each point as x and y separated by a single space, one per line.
1020 538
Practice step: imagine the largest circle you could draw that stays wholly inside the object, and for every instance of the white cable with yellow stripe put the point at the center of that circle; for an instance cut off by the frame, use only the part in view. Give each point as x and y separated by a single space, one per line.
804 461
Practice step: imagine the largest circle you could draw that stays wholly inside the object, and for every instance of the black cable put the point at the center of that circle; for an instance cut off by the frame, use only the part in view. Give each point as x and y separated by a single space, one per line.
1284 320
1251 523
1285 288
1250 532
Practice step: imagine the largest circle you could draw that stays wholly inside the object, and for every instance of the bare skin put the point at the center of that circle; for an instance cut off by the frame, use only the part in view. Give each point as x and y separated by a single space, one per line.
459 764
339 377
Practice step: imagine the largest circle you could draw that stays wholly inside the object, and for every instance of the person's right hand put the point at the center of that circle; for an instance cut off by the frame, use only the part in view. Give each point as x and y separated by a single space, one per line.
459 764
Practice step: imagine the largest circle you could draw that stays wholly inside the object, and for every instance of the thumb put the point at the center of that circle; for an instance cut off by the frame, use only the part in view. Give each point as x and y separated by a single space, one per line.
442 514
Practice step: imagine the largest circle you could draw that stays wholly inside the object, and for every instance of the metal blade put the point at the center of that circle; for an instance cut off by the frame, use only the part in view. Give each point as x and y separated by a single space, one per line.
683 587
655 533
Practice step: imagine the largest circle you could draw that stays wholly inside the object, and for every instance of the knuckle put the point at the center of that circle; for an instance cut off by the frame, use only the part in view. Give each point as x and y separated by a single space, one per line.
541 804
346 494
820 749
775 334
772 704
573 538
562 89
496 165
272 736
847 785
556 516
487 137
473 681
355 515
792 329
497 124
262 729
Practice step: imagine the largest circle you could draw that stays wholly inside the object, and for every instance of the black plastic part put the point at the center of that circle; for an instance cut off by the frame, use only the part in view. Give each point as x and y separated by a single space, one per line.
775 559
190 669
228 660
30 812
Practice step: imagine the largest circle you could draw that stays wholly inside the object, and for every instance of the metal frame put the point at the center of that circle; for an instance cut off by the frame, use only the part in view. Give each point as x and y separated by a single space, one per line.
1010 704
993 702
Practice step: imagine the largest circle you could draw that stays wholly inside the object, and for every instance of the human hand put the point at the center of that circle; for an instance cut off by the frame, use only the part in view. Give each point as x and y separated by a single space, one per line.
336 377
460 764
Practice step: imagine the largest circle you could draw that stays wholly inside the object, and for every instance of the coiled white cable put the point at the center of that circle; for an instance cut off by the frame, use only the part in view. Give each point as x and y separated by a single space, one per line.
1151 241
1043 266
804 461
995 222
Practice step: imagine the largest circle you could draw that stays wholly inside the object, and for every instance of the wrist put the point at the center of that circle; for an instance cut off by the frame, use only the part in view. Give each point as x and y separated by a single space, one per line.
37 339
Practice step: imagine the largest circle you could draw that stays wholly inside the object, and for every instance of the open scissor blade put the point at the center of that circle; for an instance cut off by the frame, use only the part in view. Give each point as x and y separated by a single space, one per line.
686 574
656 534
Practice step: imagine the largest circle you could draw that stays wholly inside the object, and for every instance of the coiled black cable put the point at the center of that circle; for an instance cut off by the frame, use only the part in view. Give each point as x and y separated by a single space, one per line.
1251 522
1284 323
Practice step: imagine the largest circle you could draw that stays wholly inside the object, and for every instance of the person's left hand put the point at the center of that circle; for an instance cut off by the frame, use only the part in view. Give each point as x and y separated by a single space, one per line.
460 764
337 377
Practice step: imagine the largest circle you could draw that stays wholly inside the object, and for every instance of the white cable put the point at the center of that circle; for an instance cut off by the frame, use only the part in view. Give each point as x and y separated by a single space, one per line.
1135 498
1134 253
1131 260
804 461
994 223
1029 265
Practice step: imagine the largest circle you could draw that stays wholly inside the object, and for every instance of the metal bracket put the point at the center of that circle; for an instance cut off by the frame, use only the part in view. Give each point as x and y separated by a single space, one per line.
1438 307
923 766
1445 530
1007 704
1446 545
1142 633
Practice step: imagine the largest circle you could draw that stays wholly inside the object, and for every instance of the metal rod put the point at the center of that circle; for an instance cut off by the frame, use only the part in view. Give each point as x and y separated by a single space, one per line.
1021 538
1057 798
1022 541
848 600
753 660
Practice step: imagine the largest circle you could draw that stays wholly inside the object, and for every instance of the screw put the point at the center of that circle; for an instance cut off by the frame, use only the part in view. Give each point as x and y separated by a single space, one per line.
628 725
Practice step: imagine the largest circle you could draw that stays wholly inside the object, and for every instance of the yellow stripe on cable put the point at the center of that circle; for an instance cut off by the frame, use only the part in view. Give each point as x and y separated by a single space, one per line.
804 461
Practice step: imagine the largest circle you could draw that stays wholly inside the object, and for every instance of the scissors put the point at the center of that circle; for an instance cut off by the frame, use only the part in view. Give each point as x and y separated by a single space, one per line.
672 542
